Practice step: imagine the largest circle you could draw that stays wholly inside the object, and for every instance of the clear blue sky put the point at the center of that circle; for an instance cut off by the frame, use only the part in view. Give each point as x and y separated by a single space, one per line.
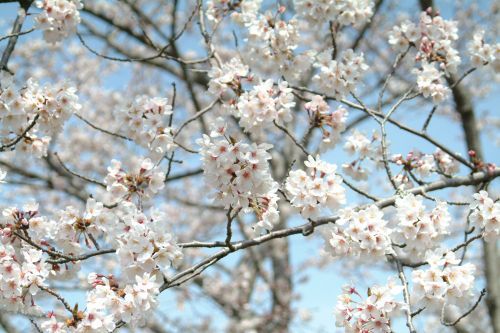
320 291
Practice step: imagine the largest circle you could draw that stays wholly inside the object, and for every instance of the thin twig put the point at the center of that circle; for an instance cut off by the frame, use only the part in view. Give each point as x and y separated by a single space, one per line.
406 296
297 143
22 135
56 295
17 34
483 293
196 116
102 129
90 180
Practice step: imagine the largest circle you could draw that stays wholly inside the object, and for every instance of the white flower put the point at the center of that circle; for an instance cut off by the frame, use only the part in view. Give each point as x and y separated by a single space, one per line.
240 174
265 104
345 12
108 302
226 77
144 180
339 78
486 215
332 124
58 19
319 187
430 83
434 38
275 38
417 229
445 282
372 314
146 121
482 53
359 233
445 163
52 104
143 243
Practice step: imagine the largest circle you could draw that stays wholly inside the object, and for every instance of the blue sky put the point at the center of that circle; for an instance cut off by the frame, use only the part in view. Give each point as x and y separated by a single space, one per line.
320 291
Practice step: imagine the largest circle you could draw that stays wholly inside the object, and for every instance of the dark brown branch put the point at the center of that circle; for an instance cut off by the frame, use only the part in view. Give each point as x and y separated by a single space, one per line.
16 29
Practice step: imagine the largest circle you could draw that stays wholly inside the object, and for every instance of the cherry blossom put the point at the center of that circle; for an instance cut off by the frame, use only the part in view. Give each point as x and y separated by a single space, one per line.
486 215
417 229
354 12
58 19
43 108
318 188
434 39
240 174
143 181
359 233
208 160
276 38
22 272
445 282
482 53
265 104
371 314
339 78
331 123
366 149
146 121
142 243
431 84
227 77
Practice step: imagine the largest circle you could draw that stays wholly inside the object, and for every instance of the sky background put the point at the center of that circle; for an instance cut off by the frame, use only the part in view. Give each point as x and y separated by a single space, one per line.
319 293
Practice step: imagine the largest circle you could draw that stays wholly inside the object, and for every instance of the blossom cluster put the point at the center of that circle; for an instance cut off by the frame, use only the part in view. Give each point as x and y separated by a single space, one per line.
265 103
146 121
142 243
486 215
66 231
424 165
359 233
275 38
417 229
143 181
42 110
227 77
331 123
109 304
483 53
339 77
434 38
445 163
217 9
143 248
363 148
58 19
240 173
430 83
345 12
319 187
444 282
73 226
372 314
22 272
